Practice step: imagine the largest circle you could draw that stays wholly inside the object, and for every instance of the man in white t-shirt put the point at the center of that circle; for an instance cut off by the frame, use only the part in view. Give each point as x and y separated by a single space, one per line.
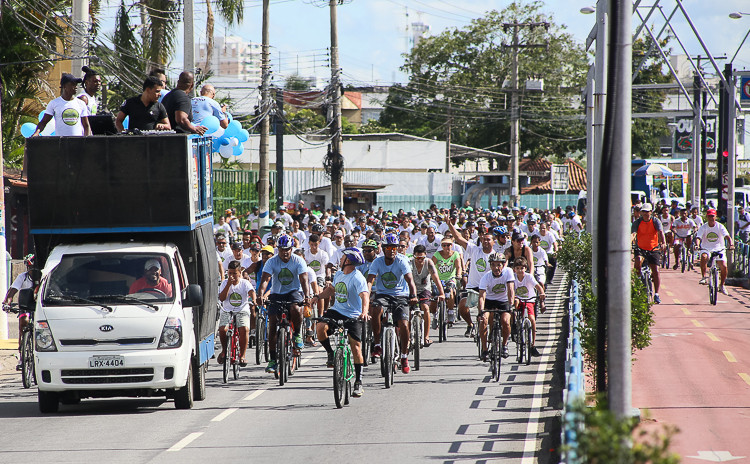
70 113
431 241
711 237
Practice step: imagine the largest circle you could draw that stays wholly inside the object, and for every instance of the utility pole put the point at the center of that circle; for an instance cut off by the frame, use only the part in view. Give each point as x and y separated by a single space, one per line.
3 247
263 180
515 110
695 162
81 27
189 46
731 157
279 129
448 131
337 160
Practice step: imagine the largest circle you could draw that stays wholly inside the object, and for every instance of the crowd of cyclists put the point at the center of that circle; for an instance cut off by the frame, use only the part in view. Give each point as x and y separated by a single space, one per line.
349 267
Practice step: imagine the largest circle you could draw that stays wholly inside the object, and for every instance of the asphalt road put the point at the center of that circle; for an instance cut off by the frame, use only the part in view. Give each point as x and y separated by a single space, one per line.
448 411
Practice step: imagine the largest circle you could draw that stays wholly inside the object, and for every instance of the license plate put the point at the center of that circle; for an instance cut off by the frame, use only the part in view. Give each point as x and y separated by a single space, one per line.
106 361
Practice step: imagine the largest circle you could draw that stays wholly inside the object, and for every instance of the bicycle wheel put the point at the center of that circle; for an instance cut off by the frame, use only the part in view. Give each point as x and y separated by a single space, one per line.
366 340
441 321
713 286
387 356
527 343
236 355
27 359
494 355
225 364
416 330
338 378
260 335
281 355
520 348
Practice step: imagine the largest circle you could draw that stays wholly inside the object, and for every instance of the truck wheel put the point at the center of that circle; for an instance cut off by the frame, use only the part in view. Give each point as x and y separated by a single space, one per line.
183 397
48 402
199 380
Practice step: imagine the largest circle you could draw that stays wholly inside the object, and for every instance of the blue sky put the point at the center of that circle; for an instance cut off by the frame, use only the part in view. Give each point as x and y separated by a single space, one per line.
373 33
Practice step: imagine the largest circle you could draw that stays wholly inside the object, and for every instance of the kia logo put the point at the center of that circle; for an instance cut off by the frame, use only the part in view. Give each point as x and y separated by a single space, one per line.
106 328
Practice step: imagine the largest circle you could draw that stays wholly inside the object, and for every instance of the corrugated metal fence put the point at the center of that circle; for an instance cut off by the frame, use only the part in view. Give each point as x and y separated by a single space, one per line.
238 189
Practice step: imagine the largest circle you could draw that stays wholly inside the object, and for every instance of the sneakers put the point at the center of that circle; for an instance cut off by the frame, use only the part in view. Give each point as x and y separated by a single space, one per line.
469 329
434 323
534 351
271 367
358 390
485 355
405 365
703 281
675 266
657 300
505 351
329 362
19 367
723 290
298 343
377 351
451 316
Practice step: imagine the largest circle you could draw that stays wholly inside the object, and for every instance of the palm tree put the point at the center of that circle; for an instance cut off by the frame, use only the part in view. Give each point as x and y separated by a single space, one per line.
160 18
232 11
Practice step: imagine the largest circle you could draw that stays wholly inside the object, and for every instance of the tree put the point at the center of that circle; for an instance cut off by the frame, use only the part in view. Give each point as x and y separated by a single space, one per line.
458 77
296 82
232 11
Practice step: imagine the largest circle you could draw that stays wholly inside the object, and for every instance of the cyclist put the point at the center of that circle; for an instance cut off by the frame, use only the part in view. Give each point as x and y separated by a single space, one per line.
496 291
548 239
351 299
742 219
527 287
518 249
666 225
649 238
541 261
236 295
370 251
318 260
431 241
710 237
450 267
289 286
501 239
391 276
572 223
21 282
683 228
422 270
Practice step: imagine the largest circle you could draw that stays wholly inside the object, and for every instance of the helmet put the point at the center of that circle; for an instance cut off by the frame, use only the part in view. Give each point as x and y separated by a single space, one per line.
390 239
500 230
495 256
285 242
370 243
572 214
354 255
510 217
29 260
318 228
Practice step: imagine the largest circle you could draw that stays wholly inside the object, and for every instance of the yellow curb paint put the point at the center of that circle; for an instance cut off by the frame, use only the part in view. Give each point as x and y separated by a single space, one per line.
9 344
712 337
697 323
745 377
730 357
686 311
676 301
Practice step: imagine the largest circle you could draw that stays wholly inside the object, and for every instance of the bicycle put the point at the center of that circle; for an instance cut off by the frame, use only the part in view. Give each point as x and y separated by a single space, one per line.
686 252
261 335
441 315
343 367
28 369
388 340
495 342
713 277
232 357
367 338
523 330
416 330
287 357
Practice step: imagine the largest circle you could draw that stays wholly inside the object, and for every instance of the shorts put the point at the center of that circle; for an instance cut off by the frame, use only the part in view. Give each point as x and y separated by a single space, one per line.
352 325
321 282
225 317
400 308
528 304
652 257
501 306
472 299
424 296
282 301
449 285
722 257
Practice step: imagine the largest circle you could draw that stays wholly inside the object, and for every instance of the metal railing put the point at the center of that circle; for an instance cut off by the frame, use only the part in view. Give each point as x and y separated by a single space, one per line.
741 258
574 390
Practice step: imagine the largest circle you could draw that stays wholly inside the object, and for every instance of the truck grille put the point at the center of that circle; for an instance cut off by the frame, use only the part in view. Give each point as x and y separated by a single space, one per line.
107 376
117 341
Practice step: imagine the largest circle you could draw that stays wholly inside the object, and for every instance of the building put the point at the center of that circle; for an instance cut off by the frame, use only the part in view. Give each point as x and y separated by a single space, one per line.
233 57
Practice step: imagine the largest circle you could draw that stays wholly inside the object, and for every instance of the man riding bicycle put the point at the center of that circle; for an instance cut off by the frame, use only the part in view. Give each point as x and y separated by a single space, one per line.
236 295
711 237
496 291
350 303
22 281
649 238
683 228
391 274
289 287
450 267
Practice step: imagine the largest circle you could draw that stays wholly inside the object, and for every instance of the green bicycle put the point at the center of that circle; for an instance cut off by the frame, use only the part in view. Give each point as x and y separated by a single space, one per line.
343 366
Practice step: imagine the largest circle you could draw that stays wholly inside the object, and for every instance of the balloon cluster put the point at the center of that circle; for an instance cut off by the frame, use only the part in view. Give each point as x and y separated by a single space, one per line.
27 129
226 142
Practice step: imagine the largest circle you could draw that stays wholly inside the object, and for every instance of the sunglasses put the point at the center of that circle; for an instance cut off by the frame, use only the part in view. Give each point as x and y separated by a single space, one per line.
446 245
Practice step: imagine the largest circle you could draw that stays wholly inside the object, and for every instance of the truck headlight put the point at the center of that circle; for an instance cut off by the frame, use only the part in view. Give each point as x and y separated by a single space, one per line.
171 334
43 337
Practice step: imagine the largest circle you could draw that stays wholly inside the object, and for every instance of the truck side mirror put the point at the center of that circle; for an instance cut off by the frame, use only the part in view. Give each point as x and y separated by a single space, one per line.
26 300
192 296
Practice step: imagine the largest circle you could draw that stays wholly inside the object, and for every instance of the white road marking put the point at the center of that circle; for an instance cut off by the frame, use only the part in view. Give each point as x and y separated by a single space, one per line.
185 441
253 395
223 415
304 360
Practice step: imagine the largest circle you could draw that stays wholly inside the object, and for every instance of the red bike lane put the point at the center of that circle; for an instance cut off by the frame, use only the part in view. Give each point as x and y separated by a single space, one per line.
696 373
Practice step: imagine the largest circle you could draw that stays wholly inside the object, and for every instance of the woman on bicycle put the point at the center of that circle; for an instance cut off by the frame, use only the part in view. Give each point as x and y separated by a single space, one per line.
496 291
236 295
422 270
527 289
351 296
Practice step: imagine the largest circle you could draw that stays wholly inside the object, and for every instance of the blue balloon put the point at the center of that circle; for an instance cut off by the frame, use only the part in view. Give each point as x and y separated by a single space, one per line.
238 150
243 135
229 116
224 141
216 145
211 123
27 129
233 129
126 122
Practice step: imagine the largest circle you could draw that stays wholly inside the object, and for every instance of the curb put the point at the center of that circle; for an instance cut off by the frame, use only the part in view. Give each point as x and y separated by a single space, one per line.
9 344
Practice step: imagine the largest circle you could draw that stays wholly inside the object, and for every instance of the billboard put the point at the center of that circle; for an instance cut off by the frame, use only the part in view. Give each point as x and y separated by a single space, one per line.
682 141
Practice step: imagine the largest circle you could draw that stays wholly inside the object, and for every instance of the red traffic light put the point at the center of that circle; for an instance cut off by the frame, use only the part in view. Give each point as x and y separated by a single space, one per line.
725 154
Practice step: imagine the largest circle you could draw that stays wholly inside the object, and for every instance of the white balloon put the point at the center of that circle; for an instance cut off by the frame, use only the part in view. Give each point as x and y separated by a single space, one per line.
226 150
234 141
218 133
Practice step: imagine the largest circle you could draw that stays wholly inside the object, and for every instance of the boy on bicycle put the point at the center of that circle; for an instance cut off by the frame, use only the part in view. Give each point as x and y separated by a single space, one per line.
23 281
236 295
351 296
711 237
496 291
527 289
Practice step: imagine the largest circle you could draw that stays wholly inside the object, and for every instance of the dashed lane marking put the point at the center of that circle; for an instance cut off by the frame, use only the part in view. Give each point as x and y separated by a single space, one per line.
712 337
669 293
676 301
686 311
697 323
185 441
223 415
730 357
253 395
745 377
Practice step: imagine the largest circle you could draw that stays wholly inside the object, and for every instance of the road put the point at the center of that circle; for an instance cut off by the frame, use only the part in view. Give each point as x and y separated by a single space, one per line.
696 373
448 411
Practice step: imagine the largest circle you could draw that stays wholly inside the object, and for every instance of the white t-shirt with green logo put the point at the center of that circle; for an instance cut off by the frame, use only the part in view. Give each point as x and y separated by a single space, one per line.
68 114
480 264
317 261
712 238
526 288
237 297
497 287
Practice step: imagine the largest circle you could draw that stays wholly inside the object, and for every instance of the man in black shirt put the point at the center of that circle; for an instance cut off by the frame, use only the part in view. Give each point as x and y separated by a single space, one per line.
179 106
145 111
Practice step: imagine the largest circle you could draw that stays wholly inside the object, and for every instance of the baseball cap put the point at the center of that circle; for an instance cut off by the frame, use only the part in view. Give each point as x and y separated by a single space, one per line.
67 77
152 263
711 212
646 207
267 248
338 233
236 245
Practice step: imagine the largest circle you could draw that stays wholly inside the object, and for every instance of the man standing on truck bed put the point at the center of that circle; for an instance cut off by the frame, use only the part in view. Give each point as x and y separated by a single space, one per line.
179 107
144 110
70 113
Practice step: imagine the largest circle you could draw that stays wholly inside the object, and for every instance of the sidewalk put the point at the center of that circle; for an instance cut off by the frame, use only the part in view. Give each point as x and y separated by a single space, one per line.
696 373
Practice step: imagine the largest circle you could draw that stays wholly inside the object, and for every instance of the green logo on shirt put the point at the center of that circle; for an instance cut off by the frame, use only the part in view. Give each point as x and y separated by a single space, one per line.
235 299
341 292
70 116
544 244
522 292
481 265
498 288
315 265
389 280
712 237
285 276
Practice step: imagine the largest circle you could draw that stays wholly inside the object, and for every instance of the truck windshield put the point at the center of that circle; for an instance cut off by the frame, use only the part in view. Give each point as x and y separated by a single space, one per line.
107 277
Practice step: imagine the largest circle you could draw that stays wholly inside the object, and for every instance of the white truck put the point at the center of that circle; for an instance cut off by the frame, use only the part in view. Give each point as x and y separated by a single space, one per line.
126 301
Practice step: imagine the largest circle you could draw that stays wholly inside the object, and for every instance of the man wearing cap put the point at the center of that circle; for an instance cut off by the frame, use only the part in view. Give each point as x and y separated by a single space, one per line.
223 228
70 113
152 279
711 237
276 229
284 217
239 255
649 238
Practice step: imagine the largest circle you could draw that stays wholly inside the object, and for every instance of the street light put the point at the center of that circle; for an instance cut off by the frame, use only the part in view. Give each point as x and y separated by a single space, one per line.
739 15
588 10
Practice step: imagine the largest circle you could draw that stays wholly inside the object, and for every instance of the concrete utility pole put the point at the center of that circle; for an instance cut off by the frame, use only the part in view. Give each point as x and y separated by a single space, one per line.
732 158
263 180
189 50
695 161
337 159
448 131
81 27
279 129
515 110
3 247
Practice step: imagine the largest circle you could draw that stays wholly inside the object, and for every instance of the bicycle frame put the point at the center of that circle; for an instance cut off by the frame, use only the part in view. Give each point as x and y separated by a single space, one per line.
389 341
286 355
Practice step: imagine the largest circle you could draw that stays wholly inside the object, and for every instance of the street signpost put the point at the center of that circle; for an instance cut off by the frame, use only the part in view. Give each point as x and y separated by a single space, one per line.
559 179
